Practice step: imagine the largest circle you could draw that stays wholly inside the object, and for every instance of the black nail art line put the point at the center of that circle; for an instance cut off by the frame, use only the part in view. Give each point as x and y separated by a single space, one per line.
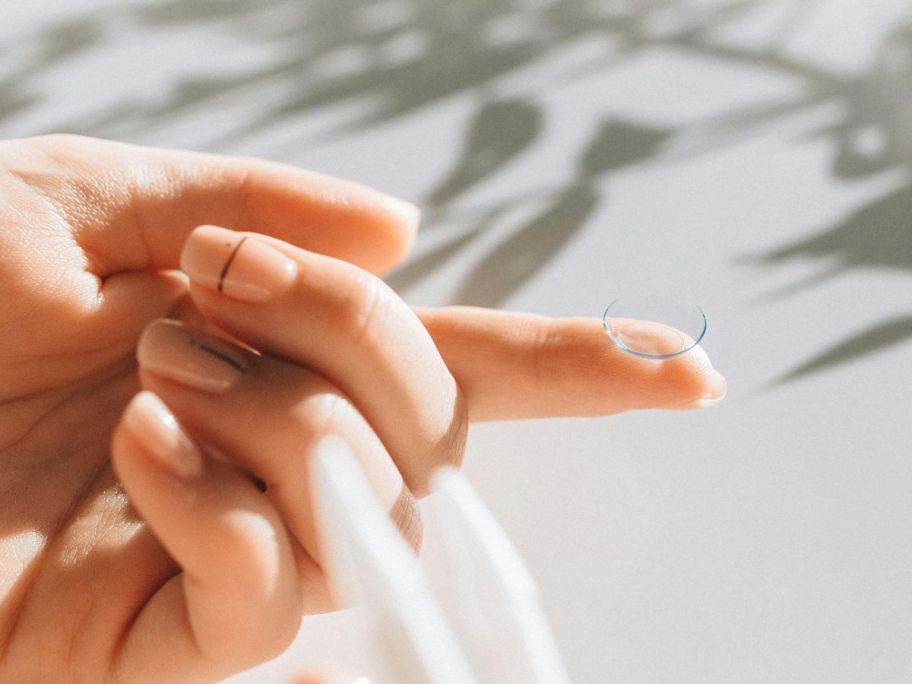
219 355
228 263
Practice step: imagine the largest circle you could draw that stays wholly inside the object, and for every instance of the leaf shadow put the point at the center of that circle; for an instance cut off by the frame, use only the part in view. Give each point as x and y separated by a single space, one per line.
500 131
615 145
878 235
512 263
870 341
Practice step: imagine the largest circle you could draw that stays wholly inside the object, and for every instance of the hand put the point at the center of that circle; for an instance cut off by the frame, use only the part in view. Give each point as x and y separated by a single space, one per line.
89 233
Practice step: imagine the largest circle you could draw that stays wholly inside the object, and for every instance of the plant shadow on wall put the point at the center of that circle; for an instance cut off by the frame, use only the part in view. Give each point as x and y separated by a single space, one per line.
873 137
391 58
565 209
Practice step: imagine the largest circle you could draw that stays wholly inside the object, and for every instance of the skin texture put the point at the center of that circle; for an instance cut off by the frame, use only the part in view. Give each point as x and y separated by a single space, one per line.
116 568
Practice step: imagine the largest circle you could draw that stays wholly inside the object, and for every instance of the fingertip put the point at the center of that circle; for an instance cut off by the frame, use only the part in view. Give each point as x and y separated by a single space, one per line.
343 219
149 424
693 382
404 219
410 219
717 389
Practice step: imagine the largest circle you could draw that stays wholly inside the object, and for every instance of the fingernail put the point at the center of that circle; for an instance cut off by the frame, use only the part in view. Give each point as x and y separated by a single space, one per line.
717 391
239 266
150 422
189 357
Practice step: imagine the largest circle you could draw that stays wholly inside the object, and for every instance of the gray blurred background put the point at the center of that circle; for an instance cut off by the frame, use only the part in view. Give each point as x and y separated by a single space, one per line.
756 155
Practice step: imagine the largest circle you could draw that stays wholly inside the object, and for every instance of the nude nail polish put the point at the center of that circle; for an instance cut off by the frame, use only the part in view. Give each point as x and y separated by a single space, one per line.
149 421
190 357
237 265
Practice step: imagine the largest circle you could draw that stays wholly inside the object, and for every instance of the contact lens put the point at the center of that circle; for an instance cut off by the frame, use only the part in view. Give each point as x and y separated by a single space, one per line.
654 326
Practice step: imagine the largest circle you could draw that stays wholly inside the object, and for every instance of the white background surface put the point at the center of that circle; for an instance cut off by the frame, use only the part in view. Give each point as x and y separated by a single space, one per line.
767 539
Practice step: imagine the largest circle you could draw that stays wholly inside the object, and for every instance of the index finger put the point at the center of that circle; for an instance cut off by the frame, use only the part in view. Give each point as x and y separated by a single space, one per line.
513 365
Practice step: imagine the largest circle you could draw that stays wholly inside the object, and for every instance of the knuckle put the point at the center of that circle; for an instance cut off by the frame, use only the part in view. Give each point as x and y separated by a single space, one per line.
365 303
449 449
270 614
321 413
407 517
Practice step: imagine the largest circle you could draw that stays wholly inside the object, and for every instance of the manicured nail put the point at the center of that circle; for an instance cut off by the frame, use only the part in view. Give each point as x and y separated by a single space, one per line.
717 391
189 357
239 266
150 422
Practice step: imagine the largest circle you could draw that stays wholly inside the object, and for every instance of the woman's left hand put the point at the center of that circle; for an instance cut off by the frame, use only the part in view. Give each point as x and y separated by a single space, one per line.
90 234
